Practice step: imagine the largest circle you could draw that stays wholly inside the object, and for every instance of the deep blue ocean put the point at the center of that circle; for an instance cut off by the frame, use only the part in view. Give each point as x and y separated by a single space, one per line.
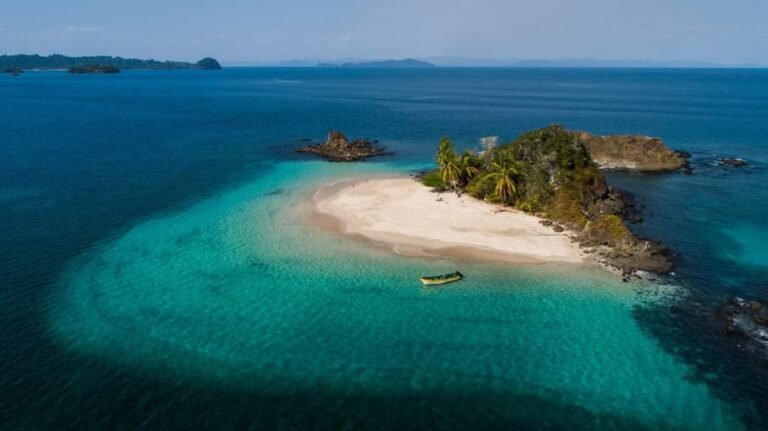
152 275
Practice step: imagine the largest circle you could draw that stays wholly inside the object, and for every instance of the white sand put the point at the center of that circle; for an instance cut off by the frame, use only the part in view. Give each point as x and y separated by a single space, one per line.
414 220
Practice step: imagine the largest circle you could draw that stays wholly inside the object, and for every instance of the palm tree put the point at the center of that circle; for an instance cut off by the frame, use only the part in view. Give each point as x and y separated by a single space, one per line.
504 174
468 166
448 163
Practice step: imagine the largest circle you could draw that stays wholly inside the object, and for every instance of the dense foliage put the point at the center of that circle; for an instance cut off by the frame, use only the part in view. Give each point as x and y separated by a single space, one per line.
545 171
57 61
94 68
208 63
550 172
11 70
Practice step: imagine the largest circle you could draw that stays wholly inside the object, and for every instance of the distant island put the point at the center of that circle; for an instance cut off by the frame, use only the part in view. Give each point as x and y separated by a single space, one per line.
384 64
89 64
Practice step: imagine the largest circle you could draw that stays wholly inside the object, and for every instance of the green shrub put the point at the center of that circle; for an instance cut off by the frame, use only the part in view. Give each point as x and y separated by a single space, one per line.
613 225
565 207
479 187
434 180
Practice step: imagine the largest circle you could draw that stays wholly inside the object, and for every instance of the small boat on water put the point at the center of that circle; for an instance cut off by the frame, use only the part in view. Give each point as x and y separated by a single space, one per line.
441 279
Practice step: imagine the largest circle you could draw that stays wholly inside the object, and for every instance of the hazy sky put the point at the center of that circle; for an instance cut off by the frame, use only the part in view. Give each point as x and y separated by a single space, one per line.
734 31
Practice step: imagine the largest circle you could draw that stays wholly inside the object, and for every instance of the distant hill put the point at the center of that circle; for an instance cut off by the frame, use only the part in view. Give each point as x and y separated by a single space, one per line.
386 64
207 63
57 61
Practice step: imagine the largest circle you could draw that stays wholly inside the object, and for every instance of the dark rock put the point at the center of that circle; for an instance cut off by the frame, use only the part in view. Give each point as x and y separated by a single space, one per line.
760 319
337 148
732 162
746 319
732 330
633 254
557 228
547 223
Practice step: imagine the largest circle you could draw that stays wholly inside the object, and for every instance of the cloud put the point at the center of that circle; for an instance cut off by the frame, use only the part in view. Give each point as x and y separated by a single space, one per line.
346 38
83 29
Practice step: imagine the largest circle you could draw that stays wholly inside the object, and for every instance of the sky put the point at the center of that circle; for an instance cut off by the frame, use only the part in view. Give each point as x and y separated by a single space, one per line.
719 31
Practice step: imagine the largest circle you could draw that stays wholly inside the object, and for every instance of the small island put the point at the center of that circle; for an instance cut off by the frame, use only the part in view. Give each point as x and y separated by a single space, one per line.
94 68
337 148
208 63
538 198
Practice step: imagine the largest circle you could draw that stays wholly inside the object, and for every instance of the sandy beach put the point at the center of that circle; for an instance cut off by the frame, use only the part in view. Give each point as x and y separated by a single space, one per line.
415 221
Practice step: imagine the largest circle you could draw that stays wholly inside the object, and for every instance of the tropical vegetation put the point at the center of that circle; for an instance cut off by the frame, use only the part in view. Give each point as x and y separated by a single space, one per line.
547 171
94 68
550 172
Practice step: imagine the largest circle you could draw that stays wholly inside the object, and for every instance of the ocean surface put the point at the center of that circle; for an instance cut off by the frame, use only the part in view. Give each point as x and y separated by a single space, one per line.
156 271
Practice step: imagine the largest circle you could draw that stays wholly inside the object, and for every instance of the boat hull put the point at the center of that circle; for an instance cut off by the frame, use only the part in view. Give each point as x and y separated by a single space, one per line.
442 279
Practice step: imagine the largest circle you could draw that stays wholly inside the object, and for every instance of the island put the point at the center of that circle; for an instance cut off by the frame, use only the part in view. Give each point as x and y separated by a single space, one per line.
337 148
94 68
207 63
539 198
631 152
62 62
408 63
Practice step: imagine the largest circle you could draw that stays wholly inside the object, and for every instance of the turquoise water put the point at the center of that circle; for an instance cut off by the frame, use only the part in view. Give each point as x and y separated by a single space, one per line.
159 271
237 292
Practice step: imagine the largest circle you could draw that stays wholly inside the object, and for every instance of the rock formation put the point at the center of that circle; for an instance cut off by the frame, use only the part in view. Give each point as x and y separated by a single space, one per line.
640 153
337 148
732 162
746 320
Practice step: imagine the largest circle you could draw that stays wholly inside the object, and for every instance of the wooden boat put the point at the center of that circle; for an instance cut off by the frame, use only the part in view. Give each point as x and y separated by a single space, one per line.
441 279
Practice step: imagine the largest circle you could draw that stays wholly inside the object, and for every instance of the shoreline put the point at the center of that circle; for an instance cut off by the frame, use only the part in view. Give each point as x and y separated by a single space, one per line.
410 219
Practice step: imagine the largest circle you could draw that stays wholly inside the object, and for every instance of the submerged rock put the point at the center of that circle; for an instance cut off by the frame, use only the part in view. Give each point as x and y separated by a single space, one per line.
337 148
746 319
732 162
639 153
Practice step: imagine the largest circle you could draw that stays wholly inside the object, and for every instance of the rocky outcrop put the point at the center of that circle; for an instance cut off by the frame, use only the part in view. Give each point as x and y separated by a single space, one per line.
732 162
746 319
337 148
639 153
608 239
627 253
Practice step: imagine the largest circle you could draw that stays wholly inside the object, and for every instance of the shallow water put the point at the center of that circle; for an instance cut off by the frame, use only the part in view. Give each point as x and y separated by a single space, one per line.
157 272
235 291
